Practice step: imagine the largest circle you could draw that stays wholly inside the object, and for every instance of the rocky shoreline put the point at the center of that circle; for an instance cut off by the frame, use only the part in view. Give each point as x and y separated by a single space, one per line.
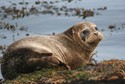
106 72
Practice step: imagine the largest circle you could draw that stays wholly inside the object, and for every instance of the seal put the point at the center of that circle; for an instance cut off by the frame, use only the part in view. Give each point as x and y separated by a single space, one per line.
72 48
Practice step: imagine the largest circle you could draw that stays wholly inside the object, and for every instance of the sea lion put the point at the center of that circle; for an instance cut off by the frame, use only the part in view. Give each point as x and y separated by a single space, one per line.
72 48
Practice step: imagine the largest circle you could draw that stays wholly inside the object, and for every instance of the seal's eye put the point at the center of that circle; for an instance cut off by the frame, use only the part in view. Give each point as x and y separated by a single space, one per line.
84 34
96 28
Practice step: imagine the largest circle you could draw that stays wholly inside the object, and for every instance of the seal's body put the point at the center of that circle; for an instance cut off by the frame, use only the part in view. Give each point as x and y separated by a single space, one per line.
72 49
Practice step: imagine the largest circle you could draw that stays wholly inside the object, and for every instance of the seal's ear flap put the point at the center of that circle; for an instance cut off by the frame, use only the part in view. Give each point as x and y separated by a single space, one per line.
69 32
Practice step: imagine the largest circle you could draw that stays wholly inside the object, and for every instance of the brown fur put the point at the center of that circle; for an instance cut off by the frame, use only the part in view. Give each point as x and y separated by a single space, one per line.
64 49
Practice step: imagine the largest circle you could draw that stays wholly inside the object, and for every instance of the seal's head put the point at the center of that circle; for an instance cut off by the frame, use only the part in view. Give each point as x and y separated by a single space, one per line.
86 34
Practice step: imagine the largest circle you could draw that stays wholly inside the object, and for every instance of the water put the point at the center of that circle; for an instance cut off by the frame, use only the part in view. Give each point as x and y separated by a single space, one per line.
113 45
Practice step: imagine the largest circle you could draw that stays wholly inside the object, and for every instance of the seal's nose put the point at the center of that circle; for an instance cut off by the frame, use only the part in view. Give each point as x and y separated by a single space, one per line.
96 33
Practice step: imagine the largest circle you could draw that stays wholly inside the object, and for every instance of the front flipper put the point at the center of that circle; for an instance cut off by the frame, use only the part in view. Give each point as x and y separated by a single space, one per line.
43 62
39 57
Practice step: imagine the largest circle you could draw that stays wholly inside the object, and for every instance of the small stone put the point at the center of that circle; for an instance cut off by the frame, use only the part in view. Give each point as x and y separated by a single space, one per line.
114 78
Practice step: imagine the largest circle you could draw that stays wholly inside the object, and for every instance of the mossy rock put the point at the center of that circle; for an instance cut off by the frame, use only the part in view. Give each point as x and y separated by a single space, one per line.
109 72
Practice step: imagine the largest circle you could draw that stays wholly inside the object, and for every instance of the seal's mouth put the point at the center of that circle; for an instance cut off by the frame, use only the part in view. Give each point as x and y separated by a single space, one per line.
92 43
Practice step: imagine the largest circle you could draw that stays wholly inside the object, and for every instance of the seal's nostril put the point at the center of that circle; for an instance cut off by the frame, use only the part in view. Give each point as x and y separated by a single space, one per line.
96 34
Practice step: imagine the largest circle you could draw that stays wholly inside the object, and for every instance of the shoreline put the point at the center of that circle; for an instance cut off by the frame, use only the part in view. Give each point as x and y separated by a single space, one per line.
109 72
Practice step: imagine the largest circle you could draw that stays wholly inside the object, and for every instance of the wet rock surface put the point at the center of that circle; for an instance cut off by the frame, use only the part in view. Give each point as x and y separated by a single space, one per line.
109 72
